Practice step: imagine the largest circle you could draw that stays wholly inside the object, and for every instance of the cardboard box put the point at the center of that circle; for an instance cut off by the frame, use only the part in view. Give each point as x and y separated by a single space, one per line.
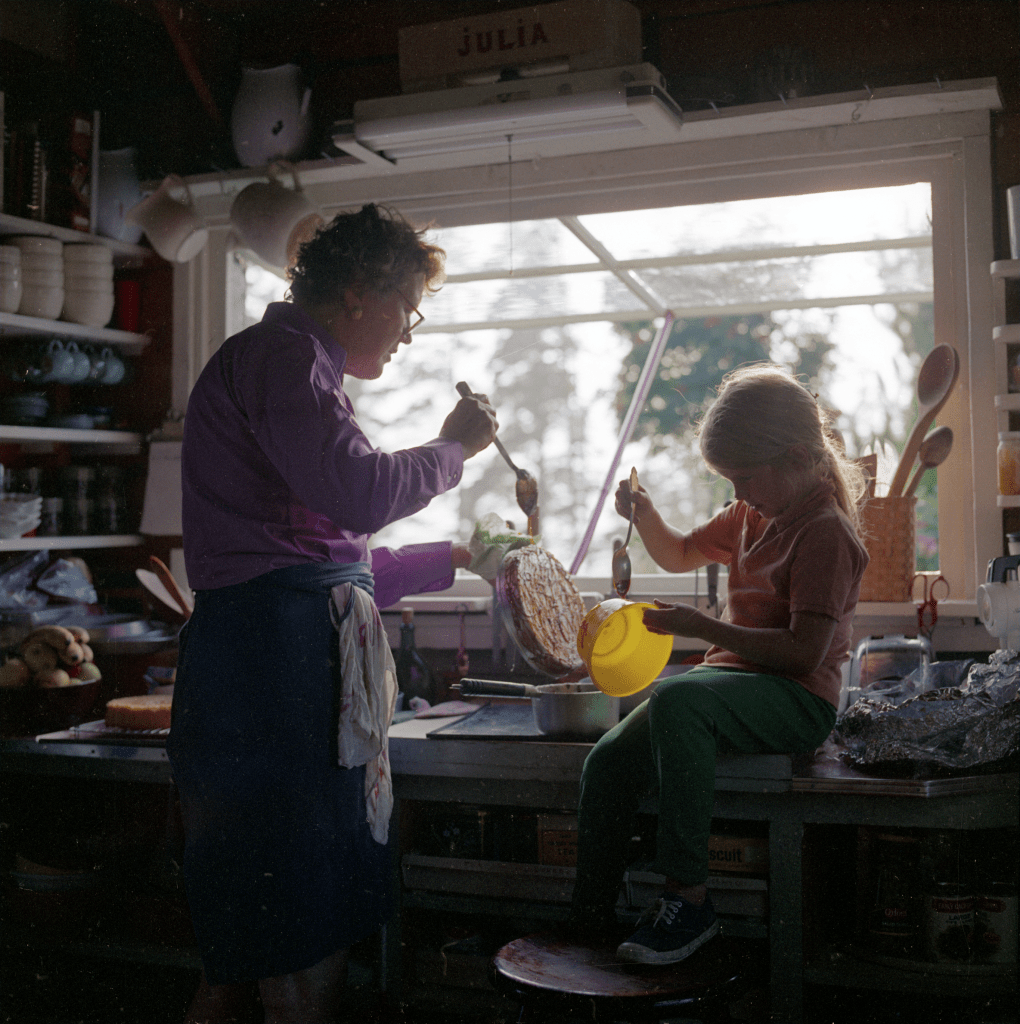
572 35
557 839
492 878
748 855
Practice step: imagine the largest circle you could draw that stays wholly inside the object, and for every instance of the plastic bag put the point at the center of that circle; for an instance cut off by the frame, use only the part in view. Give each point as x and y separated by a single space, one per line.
65 580
931 675
17 582
491 542
949 729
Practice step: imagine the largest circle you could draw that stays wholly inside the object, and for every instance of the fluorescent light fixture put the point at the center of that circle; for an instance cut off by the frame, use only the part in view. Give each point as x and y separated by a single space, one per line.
553 116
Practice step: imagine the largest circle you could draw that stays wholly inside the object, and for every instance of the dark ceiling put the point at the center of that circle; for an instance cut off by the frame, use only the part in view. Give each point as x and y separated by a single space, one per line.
164 72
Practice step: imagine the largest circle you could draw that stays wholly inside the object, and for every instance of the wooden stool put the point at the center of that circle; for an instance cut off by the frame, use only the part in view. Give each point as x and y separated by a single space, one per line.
552 979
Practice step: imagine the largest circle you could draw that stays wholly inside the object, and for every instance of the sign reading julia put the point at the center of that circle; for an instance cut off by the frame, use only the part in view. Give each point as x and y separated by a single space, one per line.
575 35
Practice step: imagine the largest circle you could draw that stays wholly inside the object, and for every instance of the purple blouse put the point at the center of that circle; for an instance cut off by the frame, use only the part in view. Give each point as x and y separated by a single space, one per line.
276 471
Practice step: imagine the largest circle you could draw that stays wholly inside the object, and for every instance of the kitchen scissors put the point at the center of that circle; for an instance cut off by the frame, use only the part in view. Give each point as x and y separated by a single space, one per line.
933 589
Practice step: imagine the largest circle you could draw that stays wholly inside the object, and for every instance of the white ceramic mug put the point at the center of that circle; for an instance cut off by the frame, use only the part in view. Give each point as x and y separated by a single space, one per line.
173 227
266 215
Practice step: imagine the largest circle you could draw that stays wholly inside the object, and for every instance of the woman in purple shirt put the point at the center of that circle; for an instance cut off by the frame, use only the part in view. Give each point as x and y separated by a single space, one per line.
282 492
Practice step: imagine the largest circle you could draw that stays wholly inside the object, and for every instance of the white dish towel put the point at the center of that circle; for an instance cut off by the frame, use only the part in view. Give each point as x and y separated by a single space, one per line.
368 700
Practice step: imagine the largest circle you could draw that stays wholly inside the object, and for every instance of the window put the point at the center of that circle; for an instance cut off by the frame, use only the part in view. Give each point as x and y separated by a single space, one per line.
932 139
552 318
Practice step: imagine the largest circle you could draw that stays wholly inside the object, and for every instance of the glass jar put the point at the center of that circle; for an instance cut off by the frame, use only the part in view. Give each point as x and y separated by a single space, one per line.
893 917
1008 457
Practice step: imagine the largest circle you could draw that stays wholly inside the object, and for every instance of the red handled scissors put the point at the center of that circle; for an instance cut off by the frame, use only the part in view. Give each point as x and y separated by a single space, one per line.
933 589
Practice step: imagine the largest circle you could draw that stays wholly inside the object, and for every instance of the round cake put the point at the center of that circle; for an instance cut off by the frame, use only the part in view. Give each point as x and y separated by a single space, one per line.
546 609
140 713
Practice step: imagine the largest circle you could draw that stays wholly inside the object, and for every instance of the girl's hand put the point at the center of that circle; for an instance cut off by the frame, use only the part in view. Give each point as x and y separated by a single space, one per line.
674 619
625 497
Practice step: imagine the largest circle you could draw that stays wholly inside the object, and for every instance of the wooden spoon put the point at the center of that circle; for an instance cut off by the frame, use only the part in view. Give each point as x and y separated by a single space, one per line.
934 450
166 577
935 381
152 584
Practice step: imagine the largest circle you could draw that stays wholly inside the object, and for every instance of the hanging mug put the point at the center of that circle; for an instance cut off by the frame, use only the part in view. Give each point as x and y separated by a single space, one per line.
113 367
173 227
269 119
82 363
119 190
97 364
56 363
271 219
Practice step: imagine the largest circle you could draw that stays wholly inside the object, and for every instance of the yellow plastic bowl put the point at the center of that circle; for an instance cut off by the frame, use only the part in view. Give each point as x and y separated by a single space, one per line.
621 655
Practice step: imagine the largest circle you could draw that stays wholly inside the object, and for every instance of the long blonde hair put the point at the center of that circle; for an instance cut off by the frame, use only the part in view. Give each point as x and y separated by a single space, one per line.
760 414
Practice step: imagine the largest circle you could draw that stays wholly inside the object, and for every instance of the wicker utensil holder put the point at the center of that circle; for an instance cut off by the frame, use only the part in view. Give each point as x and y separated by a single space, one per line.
888 526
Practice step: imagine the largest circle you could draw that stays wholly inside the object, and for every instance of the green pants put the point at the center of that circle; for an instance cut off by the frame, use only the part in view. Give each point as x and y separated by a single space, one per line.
669 745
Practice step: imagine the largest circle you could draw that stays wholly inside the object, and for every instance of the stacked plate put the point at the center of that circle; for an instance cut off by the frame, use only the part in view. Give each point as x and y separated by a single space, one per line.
42 275
19 514
10 278
88 284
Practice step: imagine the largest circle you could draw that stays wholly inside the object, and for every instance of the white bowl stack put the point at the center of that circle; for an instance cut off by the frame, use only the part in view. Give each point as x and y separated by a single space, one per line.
88 284
19 514
42 275
10 278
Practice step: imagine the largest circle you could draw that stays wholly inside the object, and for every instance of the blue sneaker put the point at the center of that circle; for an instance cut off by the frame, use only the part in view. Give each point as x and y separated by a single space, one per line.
670 930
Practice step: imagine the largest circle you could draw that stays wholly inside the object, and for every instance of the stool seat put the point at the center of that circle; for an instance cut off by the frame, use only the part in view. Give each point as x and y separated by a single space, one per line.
548 975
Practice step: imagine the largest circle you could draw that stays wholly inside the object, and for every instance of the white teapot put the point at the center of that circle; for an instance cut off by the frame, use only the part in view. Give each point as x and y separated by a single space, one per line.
270 119
271 219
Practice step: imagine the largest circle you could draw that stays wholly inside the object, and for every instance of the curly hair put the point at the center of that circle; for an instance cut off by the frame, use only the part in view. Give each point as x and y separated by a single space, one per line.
374 248
760 413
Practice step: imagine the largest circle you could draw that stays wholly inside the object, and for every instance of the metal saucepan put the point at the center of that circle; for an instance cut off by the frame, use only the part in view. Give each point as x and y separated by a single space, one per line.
577 710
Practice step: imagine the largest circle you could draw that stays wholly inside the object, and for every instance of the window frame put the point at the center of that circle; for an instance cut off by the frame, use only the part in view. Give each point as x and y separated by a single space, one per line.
949 150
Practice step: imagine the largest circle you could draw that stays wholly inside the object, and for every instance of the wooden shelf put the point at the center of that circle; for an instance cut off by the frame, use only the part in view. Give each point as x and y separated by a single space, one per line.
1007 334
1008 500
1008 403
111 540
125 254
16 325
846 970
11 432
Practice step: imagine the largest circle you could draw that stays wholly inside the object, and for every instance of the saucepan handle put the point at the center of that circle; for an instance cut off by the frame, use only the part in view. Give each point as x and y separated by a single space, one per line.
493 688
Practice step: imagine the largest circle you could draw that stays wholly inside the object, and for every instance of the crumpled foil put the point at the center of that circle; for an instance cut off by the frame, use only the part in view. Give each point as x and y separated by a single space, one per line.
952 728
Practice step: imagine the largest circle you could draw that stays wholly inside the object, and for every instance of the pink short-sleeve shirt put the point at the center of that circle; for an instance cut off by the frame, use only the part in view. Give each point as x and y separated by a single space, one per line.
809 559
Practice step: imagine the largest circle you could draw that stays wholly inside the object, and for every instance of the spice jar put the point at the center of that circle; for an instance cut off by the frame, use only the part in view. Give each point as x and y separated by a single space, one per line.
1008 457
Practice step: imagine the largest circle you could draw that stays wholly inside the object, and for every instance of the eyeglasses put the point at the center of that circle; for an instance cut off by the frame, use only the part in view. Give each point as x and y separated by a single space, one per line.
414 309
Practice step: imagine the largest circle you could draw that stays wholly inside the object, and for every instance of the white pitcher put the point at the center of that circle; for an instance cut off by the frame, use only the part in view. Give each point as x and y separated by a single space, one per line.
269 119
271 219
118 191
173 227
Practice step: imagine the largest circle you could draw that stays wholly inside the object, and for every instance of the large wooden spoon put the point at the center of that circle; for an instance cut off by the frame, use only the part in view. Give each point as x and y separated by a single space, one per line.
934 450
935 381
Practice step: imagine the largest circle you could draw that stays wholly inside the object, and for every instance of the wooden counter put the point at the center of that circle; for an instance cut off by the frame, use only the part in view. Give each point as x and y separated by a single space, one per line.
546 775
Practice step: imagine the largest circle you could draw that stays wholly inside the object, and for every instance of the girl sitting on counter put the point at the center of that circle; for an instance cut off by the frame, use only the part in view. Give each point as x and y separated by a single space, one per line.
770 681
